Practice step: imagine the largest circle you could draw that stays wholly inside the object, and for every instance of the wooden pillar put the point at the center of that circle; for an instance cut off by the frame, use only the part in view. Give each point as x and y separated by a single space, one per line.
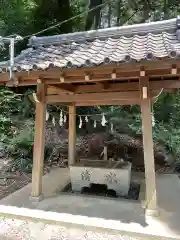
39 142
72 135
151 198
105 152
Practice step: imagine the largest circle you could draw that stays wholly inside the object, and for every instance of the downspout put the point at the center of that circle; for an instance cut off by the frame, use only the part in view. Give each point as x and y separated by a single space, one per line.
11 53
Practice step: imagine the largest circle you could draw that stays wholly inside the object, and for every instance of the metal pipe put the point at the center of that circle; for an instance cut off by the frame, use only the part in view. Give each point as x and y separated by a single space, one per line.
11 53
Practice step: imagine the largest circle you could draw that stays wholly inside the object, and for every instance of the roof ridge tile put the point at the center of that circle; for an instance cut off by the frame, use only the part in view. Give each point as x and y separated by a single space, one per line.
129 30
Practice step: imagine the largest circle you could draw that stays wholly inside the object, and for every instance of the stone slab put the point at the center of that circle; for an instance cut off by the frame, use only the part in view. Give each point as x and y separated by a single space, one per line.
52 184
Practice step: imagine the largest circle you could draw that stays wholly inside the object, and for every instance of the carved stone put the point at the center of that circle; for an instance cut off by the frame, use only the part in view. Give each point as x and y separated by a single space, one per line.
116 178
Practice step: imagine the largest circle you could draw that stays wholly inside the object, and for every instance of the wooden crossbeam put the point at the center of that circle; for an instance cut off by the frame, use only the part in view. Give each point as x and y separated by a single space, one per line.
102 85
100 77
98 97
60 89
121 87
93 97
132 86
108 103
52 76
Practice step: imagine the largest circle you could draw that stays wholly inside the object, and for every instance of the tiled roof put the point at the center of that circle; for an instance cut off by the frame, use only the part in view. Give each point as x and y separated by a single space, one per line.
114 45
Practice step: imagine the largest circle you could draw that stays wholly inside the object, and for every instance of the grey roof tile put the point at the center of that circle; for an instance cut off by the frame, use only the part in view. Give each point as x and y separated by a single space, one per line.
114 45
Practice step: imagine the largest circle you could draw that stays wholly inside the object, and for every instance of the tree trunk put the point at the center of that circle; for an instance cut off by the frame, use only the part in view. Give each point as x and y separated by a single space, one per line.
165 9
118 12
109 15
50 12
146 10
93 16
64 12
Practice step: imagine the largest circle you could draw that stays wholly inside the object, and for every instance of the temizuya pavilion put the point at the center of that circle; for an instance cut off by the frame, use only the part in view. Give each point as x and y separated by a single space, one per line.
116 66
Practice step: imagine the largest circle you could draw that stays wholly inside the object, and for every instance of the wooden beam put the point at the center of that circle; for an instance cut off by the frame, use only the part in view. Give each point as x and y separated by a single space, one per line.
166 84
105 153
101 73
93 97
151 201
105 77
72 135
97 97
102 103
132 86
108 103
22 83
102 85
38 153
111 87
60 90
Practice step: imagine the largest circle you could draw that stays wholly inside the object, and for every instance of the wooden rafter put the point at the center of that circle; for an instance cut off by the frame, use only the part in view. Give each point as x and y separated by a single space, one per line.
101 73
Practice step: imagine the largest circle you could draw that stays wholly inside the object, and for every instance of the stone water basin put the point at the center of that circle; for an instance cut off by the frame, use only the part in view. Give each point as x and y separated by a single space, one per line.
115 174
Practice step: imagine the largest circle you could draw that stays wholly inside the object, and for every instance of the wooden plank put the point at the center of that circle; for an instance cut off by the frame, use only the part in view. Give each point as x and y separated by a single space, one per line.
132 86
97 97
166 84
109 103
111 87
151 198
60 90
72 135
38 152
105 77
23 83
93 97
102 73
105 153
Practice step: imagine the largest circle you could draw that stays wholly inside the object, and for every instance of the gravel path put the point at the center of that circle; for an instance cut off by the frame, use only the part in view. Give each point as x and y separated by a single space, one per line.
13 229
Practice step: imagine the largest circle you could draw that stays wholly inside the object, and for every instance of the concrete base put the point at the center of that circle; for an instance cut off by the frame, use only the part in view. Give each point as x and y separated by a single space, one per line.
36 199
153 213
94 214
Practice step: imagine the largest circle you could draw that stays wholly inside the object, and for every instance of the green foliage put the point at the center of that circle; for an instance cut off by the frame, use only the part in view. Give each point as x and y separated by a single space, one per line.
50 12
21 147
15 16
166 131
9 106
